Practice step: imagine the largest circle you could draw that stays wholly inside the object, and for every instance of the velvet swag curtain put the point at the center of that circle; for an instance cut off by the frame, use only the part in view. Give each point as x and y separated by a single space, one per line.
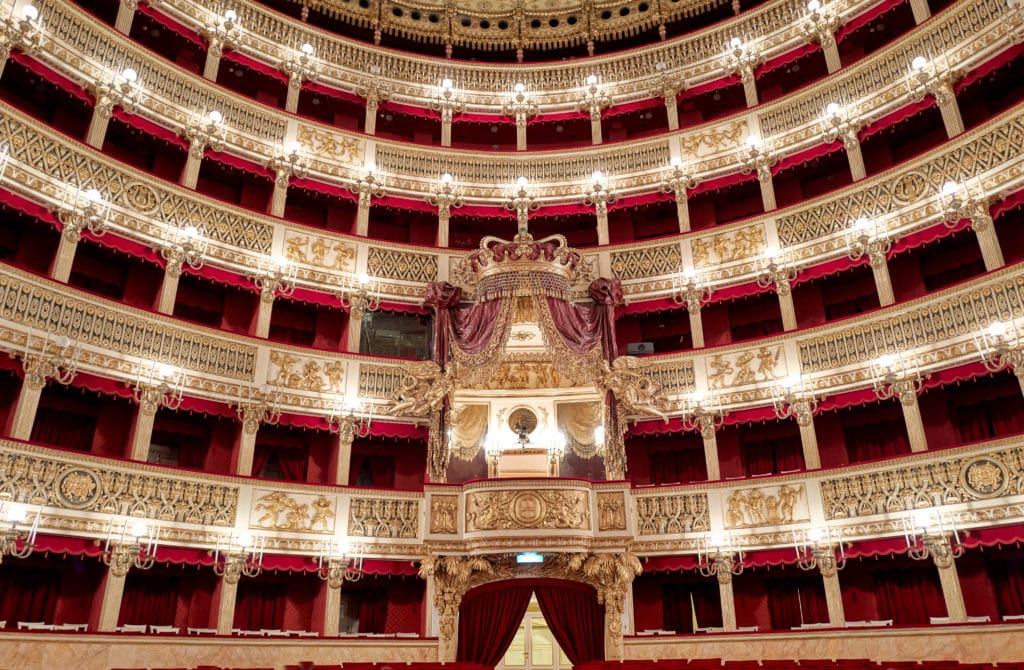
575 619
488 620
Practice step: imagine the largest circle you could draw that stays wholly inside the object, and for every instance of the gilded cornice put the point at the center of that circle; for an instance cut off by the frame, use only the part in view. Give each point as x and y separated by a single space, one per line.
963 36
347 63
977 485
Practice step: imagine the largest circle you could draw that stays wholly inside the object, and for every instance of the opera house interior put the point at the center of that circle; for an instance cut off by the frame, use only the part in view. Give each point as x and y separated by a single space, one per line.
514 334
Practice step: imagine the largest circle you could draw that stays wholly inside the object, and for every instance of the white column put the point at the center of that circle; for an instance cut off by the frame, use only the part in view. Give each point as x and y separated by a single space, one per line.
856 158
834 599
110 601
883 283
711 455
168 291
211 67
696 327
246 447
672 109
767 189
363 217
786 306
915 427
25 408
922 12
226 606
520 132
595 125
951 592
988 242
442 230
726 597
125 15
332 611
809 443
142 432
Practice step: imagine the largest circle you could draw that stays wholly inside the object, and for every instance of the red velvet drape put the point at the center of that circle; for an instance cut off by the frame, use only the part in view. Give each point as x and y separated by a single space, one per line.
28 593
575 619
796 602
373 610
260 605
149 599
579 325
909 596
488 620
683 603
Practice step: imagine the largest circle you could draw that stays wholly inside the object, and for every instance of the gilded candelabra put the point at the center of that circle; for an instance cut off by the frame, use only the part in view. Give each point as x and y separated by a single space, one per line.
221 31
301 66
931 534
23 31
185 247
959 201
241 557
522 203
369 185
16 540
792 398
291 161
838 123
755 157
742 59
135 547
819 24
816 548
207 131
359 294
82 210
777 271
161 386
120 90
350 419
927 77
702 415
339 563
447 102
446 195
868 237
520 106
596 193
594 98
690 288
275 277
718 556
667 84
678 179
895 377
56 360
258 406
1000 347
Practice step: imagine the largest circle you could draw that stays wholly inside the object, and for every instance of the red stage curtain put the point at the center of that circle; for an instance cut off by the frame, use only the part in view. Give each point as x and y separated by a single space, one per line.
373 610
28 593
678 609
575 619
260 605
488 620
149 599
793 602
910 596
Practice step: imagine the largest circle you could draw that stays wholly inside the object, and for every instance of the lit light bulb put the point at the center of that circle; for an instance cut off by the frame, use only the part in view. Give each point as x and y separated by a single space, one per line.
771 253
93 196
29 13
216 117
997 329
364 278
138 530
675 161
245 541
886 361
371 167
736 43
446 83
832 109
164 371
522 182
16 514
923 519
791 383
598 176
697 399
950 188
307 49
63 342
446 178
344 546
815 535
592 80
130 75
279 262
230 16
862 223
190 232
919 63
814 6
292 148
753 141
520 87
716 540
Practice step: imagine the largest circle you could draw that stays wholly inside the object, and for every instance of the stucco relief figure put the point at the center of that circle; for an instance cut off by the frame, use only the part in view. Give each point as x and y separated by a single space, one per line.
423 389
635 392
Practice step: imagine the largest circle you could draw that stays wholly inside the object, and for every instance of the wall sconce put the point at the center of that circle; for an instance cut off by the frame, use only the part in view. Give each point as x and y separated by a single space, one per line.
235 559
959 202
369 185
837 123
17 541
678 179
1000 346
868 237
121 90
350 418
162 386
22 29
520 106
718 556
339 563
206 131
793 399
57 360
359 293
691 287
81 210
223 30
596 193
185 246
755 157
522 203
446 195
291 161
258 406
703 415
931 534
301 66
742 59
446 101
134 547
816 548
926 77
894 377
776 271
275 277
594 98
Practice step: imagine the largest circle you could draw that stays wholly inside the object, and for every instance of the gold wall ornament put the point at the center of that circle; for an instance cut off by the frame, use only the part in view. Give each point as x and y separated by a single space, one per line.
306 373
736 245
636 392
535 509
672 514
453 577
985 477
444 512
767 506
611 511
319 251
276 510
740 368
384 517
341 149
423 389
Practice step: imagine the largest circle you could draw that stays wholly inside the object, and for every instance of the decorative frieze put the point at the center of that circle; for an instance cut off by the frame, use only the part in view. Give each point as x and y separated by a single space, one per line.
395 518
389 263
672 513
278 510
548 509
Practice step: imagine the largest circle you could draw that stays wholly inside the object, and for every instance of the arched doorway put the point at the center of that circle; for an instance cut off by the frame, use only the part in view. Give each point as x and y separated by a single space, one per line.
491 614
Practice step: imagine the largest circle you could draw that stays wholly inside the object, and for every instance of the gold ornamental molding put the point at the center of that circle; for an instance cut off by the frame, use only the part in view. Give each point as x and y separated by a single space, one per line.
965 35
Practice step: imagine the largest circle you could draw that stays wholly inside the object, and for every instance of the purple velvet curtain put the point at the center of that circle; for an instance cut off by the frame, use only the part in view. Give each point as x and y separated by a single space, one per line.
579 325
488 620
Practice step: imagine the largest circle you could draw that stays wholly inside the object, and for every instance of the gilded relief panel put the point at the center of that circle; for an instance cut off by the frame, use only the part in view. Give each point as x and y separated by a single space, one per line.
672 514
729 247
385 263
766 506
536 509
647 261
319 251
444 514
306 373
384 518
751 366
277 510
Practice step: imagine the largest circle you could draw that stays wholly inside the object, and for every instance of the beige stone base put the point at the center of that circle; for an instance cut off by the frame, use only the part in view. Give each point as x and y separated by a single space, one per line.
994 643
43 651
